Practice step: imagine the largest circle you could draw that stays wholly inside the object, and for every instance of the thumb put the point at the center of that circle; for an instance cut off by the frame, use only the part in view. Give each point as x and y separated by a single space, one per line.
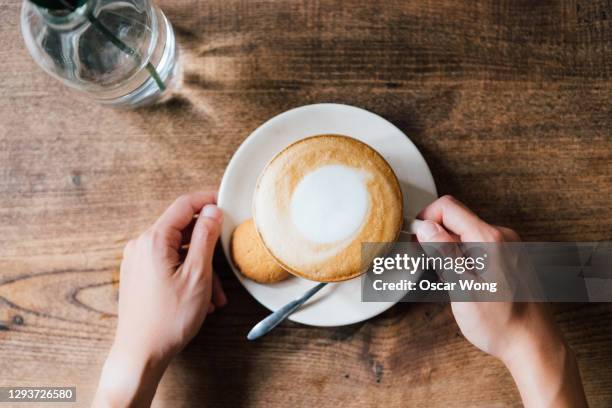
203 239
442 242
429 231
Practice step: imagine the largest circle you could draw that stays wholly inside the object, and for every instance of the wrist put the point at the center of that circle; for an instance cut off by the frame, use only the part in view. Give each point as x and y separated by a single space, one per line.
539 372
529 353
544 368
532 333
534 346
129 378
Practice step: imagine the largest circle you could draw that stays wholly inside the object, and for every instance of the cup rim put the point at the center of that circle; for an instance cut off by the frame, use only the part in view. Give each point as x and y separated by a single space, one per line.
395 182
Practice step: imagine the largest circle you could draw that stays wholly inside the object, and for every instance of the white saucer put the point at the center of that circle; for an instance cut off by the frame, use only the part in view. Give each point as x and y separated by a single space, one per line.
338 303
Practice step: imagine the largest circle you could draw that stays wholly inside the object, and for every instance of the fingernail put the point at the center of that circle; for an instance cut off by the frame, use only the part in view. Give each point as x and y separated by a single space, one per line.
427 229
212 211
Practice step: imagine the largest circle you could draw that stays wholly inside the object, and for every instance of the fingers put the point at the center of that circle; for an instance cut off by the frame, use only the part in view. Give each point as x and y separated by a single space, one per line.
218 295
430 231
203 238
508 234
219 298
460 220
187 231
211 308
180 213
449 212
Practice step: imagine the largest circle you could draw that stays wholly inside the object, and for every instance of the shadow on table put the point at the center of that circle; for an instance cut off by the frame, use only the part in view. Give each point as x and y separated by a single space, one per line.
215 369
221 368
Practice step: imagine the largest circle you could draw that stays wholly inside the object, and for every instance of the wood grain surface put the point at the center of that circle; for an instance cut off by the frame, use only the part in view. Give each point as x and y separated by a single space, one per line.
509 101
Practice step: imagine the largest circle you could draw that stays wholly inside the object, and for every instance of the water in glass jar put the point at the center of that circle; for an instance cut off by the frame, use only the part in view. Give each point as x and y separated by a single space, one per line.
121 53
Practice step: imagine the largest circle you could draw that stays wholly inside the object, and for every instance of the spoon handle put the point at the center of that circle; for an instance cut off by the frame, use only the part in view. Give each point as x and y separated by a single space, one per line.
273 320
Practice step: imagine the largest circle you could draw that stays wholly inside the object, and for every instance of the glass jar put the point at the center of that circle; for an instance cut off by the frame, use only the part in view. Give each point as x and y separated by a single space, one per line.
119 52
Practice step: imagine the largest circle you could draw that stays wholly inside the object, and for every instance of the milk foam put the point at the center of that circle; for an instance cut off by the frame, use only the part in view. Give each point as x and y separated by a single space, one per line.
330 203
317 200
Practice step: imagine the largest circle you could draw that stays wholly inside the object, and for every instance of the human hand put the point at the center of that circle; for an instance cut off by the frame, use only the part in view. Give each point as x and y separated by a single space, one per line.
162 303
523 336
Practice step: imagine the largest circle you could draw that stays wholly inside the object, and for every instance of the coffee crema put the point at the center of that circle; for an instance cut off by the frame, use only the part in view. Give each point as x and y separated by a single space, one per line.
319 199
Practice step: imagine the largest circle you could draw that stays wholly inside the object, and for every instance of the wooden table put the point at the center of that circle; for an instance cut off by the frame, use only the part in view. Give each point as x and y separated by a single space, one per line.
510 102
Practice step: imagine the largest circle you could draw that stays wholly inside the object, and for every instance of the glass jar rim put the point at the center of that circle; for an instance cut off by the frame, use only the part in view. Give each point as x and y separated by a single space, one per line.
66 17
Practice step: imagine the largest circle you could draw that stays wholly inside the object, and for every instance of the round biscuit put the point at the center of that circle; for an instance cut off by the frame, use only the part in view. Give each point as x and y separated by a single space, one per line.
252 258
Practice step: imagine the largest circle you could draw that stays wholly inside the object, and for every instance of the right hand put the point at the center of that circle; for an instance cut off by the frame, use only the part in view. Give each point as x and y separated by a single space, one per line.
523 336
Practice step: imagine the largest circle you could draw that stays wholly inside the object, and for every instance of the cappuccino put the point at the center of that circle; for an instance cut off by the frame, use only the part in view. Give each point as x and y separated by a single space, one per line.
319 199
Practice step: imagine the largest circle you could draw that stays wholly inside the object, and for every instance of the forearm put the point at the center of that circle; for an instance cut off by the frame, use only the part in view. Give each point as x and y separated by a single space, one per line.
128 380
547 375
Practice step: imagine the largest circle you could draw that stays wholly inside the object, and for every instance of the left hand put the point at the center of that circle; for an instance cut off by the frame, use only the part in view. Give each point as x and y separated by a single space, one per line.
162 303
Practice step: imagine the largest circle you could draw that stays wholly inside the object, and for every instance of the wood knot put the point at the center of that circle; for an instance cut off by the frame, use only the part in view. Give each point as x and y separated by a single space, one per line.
377 368
76 179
